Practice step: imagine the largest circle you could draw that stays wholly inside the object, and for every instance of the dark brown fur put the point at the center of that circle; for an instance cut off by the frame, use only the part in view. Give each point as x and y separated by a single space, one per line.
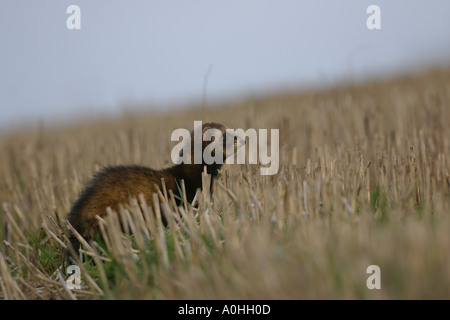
115 185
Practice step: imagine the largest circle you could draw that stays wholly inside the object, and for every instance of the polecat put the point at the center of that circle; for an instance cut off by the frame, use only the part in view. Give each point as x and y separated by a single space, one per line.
115 185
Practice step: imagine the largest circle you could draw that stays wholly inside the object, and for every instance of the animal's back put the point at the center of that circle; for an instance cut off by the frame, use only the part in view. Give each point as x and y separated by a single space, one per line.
110 187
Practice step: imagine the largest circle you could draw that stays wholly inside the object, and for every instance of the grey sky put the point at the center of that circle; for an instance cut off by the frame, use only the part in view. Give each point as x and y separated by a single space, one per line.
155 52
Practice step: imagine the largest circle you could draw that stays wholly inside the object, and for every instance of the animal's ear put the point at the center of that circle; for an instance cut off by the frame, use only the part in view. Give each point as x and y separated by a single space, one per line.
212 134
205 127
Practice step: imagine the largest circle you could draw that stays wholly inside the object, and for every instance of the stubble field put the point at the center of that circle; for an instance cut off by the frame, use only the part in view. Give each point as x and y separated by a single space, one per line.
363 180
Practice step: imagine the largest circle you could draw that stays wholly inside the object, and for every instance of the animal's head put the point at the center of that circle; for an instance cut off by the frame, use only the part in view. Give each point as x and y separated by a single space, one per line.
218 143
210 144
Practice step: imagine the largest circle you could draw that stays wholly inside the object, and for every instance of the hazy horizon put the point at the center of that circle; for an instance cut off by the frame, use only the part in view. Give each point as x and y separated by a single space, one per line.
156 53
